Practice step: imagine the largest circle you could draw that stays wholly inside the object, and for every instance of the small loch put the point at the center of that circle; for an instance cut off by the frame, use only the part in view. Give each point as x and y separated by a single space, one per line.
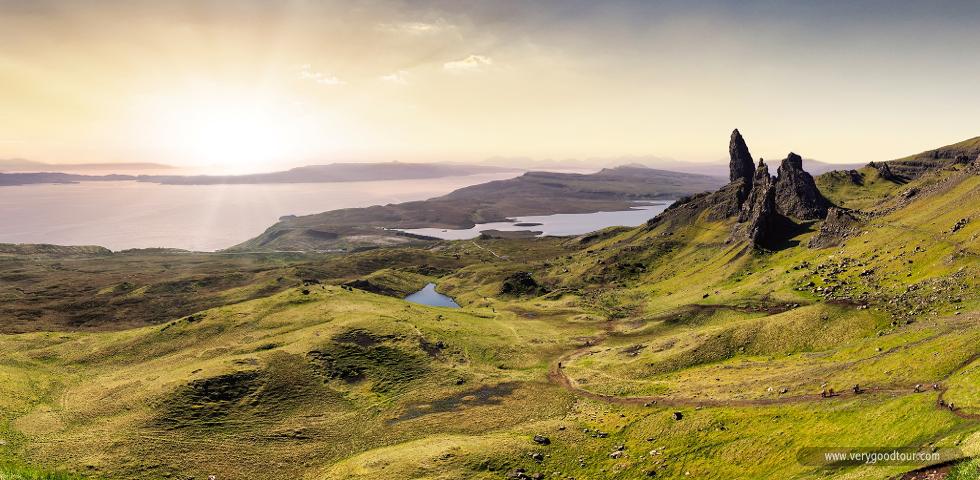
429 296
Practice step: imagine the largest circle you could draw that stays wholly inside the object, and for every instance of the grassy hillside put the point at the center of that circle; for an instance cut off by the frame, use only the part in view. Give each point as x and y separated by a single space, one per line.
671 350
89 288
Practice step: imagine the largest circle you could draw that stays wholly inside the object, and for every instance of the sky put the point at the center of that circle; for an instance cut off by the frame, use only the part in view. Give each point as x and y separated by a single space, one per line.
256 85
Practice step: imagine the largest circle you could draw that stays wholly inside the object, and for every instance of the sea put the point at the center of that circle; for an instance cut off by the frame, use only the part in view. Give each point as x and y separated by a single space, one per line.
124 215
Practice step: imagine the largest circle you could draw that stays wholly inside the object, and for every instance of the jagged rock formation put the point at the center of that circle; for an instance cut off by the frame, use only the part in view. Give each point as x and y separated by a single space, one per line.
740 164
797 195
759 214
726 202
840 224
759 202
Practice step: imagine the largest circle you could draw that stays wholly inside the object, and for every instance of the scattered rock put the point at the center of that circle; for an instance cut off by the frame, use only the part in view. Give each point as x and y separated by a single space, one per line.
839 224
542 440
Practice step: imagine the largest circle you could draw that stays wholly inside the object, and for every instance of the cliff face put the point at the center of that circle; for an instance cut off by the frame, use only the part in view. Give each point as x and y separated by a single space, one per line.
797 195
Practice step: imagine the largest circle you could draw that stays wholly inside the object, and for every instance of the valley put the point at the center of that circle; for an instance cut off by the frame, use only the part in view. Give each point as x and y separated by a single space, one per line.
721 339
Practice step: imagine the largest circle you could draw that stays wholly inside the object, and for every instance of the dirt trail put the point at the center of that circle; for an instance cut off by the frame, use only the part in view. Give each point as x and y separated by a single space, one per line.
556 375
491 252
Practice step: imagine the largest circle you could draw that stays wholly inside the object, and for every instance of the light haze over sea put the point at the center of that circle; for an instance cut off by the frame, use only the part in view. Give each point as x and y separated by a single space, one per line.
122 215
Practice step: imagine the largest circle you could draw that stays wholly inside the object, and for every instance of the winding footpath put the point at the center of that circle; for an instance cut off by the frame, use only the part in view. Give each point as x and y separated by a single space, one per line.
557 375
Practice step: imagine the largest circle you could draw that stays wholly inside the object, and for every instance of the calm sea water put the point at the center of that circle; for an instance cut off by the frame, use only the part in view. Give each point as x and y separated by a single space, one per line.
429 296
560 224
120 215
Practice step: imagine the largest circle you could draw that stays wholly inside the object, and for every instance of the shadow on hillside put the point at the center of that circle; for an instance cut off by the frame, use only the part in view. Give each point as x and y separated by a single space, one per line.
789 233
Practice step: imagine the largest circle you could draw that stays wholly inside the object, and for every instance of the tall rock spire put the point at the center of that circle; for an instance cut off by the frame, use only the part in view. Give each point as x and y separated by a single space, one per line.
741 165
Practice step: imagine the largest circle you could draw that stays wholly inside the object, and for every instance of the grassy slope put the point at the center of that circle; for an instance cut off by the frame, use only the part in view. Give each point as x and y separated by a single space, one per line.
130 397
347 384
123 290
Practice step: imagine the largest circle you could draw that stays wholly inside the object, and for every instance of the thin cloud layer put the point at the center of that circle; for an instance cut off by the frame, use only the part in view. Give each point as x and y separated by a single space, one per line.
306 72
472 63
543 78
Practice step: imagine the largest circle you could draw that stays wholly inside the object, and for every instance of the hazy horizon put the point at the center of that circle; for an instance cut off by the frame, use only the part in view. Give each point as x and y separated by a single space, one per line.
251 86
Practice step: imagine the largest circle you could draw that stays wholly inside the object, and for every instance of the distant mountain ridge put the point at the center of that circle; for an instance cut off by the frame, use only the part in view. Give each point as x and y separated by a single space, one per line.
334 172
717 168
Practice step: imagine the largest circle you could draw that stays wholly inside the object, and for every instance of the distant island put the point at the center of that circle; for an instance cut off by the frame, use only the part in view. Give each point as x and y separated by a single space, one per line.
534 193
334 172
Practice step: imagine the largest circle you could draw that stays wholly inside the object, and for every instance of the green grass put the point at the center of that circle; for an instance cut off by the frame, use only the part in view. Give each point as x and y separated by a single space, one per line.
13 472
340 383
969 470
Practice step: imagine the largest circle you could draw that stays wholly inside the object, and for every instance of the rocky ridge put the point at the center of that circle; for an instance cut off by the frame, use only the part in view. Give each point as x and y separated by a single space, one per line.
765 206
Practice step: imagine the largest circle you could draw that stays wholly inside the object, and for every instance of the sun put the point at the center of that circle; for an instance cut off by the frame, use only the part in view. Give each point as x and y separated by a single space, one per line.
230 131
235 135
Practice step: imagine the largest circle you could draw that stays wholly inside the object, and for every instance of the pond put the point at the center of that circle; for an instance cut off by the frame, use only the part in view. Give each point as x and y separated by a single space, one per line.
429 296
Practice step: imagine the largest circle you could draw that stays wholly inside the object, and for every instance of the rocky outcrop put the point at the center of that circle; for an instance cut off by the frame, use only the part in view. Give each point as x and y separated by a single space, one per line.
740 164
840 224
885 172
726 202
521 283
761 204
759 218
797 195
974 166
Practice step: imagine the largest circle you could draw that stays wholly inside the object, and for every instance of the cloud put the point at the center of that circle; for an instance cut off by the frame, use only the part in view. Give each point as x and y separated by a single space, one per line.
306 72
472 63
417 28
400 77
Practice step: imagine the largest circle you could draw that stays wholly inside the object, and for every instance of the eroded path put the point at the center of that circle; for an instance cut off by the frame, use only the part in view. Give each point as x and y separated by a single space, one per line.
557 375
